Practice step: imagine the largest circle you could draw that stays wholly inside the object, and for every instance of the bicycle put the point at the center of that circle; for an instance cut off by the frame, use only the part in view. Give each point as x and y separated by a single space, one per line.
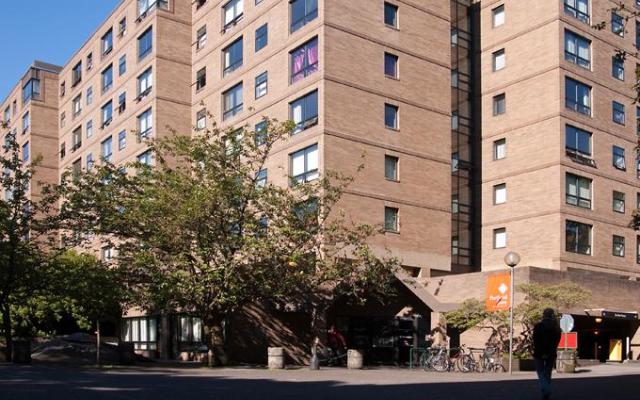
466 361
491 360
435 358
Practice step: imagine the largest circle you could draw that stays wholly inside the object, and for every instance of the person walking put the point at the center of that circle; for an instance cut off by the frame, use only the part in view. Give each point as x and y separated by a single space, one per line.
546 336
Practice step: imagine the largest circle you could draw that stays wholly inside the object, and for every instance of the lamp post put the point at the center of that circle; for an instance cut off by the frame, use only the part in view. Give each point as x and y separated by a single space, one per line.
511 259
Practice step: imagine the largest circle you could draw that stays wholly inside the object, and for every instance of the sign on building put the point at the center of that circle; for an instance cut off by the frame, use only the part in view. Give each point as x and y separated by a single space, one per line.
498 292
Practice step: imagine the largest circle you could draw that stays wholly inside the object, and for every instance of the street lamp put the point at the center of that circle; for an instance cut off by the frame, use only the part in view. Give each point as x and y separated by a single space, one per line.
511 259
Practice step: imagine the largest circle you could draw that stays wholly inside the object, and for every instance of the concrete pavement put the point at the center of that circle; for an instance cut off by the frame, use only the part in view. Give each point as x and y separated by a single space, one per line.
610 382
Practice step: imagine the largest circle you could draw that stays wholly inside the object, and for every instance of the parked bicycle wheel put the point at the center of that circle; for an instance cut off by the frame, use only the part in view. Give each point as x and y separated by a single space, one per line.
466 363
440 363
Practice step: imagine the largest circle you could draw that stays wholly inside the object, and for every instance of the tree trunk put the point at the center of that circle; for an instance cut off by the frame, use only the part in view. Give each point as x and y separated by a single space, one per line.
215 337
6 324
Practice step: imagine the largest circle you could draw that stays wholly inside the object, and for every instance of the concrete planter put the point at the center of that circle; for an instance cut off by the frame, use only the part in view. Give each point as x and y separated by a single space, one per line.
275 357
566 361
519 364
355 360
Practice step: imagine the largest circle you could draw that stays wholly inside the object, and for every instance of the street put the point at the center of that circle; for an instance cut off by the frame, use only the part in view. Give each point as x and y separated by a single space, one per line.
611 382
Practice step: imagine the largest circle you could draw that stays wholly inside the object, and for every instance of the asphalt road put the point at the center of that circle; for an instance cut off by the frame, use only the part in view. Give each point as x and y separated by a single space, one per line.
64 383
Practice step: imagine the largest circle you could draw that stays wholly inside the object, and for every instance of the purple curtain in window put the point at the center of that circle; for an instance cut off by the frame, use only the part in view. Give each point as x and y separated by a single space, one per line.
298 57
304 61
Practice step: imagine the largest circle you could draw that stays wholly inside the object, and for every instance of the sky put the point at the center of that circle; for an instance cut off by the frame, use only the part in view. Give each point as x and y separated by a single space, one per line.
49 31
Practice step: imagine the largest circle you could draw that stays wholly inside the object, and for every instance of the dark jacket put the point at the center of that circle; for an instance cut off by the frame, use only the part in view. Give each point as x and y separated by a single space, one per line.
546 336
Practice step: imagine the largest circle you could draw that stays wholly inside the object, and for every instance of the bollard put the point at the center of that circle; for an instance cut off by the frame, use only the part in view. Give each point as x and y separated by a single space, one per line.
275 357
354 359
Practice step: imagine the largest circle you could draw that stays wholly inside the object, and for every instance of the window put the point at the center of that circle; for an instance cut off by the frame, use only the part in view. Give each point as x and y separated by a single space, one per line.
637 34
76 74
500 194
455 120
618 202
31 90
617 67
497 16
145 43
145 6
637 120
499 60
578 191
63 150
122 102
391 65
145 124
391 168
201 78
304 60
618 246
25 152
145 82
14 106
122 27
63 119
304 111
577 49
391 116
233 12
617 24
232 101
499 104
637 249
617 110
391 14
77 105
89 61
261 178
142 332
577 96
26 122
76 139
262 37
304 165
89 161
262 84
63 89
190 330
146 158
122 140
454 37
89 95
122 65
455 204
302 12
618 158
107 114
201 120
499 238
232 56
107 151
454 78
202 38
107 78
107 42
261 133
455 162
7 114
578 141
578 9
89 128
578 238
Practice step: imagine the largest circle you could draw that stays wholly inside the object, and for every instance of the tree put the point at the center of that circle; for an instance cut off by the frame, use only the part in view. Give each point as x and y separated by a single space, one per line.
201 231
473 314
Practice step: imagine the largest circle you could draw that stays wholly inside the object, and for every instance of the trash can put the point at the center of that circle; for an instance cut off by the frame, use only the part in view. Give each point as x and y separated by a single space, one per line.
126 353
354 359
275 357
566 361
22 352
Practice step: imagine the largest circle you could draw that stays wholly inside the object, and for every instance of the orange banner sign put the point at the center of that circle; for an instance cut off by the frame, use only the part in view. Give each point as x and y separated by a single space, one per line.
498 292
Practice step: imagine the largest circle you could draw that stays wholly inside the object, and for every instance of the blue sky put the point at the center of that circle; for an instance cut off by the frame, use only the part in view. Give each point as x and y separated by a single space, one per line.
49 31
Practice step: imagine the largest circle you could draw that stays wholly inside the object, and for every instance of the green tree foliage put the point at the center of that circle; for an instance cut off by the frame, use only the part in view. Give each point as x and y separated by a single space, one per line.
473 315
200 232
39 281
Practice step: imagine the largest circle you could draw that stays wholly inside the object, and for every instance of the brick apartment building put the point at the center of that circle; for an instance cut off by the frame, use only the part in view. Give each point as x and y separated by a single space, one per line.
486 126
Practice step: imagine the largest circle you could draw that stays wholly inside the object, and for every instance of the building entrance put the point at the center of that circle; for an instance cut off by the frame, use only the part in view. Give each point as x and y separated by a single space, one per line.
605 336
